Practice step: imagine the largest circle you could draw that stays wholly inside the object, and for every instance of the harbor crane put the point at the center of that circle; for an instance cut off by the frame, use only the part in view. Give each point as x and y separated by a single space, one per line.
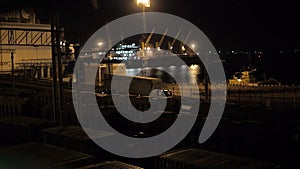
146 43
183 44
158 44
171 44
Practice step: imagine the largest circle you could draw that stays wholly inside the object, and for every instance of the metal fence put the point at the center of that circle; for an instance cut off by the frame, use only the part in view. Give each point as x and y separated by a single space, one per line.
256 95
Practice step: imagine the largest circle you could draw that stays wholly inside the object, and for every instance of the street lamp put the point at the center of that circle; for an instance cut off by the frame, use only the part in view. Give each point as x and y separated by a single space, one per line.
143 3
193 46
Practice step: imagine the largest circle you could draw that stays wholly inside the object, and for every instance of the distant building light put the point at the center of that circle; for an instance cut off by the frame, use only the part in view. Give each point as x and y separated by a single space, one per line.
62 43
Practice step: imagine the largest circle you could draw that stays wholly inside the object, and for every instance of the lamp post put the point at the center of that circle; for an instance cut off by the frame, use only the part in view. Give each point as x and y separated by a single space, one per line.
12 70
143 4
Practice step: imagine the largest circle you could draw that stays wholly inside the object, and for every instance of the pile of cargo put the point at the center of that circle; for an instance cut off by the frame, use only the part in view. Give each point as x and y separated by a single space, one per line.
21 129
10 107
200 159
73 138
110 165
39 155
16 93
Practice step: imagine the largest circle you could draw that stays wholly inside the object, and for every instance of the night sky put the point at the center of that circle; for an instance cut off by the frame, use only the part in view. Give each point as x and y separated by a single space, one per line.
229 24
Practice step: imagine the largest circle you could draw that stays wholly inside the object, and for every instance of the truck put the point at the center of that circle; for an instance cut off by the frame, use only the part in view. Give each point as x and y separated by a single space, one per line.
140 85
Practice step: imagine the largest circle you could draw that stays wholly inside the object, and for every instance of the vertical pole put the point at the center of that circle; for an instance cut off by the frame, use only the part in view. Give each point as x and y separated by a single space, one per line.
272 91
60 92
249 96
239 95
54 69
206 87
260 95
283 96
78 99
12 70
228 94
173 91
144 61
109 76
1 56
295 98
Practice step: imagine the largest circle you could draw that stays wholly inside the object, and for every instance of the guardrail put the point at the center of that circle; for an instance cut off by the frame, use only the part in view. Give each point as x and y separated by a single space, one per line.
287 95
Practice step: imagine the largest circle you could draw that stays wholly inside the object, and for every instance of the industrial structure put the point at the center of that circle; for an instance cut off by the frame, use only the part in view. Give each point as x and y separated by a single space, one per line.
31 50
25 44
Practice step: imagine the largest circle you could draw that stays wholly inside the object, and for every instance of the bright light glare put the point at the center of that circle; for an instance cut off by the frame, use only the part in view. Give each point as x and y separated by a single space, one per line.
100 44
182 48
143 3
193 46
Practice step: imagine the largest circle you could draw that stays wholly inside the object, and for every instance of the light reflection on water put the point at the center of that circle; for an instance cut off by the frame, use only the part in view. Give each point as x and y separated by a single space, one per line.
187 74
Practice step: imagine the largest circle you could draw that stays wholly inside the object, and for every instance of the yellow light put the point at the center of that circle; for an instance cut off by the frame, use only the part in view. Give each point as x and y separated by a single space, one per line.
182 48
193 46
100 44
143 3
